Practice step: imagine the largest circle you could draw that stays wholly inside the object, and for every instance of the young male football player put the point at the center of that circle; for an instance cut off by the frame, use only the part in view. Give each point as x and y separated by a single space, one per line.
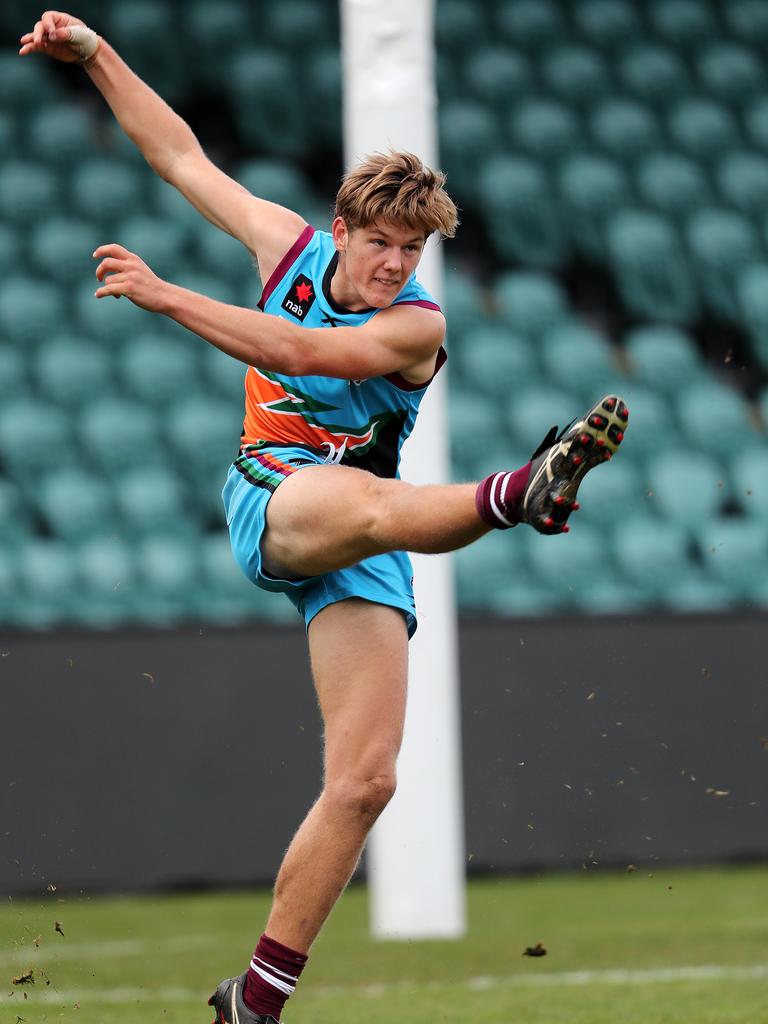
338 360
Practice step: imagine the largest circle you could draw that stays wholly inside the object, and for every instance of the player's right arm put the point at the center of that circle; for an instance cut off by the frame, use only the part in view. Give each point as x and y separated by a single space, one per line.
170 146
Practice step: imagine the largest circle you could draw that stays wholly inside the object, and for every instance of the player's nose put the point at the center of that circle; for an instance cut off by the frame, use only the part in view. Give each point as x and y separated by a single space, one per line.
394 260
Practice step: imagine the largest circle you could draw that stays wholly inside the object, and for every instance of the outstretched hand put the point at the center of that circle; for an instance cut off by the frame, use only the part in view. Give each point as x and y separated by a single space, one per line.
53 36
123 273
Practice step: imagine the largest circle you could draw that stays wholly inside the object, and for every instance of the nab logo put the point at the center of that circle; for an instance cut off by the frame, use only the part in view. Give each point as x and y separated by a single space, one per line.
299 299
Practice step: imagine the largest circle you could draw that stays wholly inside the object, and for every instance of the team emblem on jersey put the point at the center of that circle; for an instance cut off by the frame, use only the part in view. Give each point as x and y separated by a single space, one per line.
299 299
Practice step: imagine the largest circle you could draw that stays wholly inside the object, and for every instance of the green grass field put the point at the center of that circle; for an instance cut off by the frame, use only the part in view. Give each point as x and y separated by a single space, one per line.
683 946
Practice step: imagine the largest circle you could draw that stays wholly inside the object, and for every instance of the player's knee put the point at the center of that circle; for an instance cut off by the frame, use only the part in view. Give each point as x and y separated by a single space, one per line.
379 511
363 797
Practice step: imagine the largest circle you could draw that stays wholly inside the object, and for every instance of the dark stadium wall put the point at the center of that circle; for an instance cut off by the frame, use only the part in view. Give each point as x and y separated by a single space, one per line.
147 759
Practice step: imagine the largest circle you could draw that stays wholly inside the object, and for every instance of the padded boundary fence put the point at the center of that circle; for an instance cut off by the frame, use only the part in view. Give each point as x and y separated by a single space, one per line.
149 759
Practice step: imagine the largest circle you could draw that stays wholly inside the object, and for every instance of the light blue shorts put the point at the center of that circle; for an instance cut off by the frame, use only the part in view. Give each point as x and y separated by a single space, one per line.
251 481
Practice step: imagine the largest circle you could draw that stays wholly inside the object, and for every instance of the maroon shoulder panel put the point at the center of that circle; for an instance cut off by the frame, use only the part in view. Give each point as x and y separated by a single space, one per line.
282 267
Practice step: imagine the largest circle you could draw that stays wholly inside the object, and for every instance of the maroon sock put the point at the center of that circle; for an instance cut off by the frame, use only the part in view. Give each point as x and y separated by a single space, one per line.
498 496
272 977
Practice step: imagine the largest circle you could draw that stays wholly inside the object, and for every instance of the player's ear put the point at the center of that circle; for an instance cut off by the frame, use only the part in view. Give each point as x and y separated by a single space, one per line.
340 234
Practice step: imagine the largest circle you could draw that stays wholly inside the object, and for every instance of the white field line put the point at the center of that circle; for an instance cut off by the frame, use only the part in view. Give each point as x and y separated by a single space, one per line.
56 949
563 979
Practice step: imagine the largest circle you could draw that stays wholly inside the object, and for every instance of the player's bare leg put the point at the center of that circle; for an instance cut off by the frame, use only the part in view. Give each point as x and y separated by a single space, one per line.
359 653
328 517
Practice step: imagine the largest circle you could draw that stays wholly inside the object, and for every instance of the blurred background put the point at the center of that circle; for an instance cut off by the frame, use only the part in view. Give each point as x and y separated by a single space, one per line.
610 159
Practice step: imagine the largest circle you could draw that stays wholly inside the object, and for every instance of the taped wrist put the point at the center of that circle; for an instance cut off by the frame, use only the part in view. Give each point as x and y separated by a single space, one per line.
84 41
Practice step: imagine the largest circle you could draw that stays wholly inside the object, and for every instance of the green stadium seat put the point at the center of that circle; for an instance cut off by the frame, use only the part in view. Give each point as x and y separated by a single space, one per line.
224 376
651 421
747 20
521 597
60 134
116 433
161 243
532 412
521 216
571 565
593 189
624 129
229 597
157 369
9 589
653 74
278 181
459 21
497 76
282 126
171 205
578 358
545 129
723 243
749 481
475 420
47 572
282 24
484 567
464 304
70 371
29 192
653 276
475 462
204 433
495 361
663 357
322 76
608 24
575 74
672 184
611 495
743 182
73 504
469 135
716 419
756 121
529 303
698 593
108 319
107 595
11 257
529 24
216 249
683 24
145 34
653 554
680 480
152 499
211 28
752 298
26 424
30 310
61 249
763 407
104 189
167 572
212 285
26 84
8 143
13 373
16 522
730 72
702 128
735 552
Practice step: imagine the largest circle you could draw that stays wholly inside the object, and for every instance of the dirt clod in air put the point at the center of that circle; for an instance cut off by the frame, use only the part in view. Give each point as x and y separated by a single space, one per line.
537 950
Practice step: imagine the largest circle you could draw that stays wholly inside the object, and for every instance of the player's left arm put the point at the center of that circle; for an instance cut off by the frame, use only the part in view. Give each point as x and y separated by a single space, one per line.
401 339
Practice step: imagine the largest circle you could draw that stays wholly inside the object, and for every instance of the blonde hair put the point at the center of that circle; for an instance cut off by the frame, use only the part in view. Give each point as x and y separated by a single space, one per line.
397 188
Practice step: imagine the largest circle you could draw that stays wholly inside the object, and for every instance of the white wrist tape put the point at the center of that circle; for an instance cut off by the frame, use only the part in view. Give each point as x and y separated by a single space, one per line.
83 41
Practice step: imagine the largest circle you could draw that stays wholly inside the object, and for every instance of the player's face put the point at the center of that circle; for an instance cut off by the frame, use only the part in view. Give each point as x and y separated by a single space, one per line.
377 260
